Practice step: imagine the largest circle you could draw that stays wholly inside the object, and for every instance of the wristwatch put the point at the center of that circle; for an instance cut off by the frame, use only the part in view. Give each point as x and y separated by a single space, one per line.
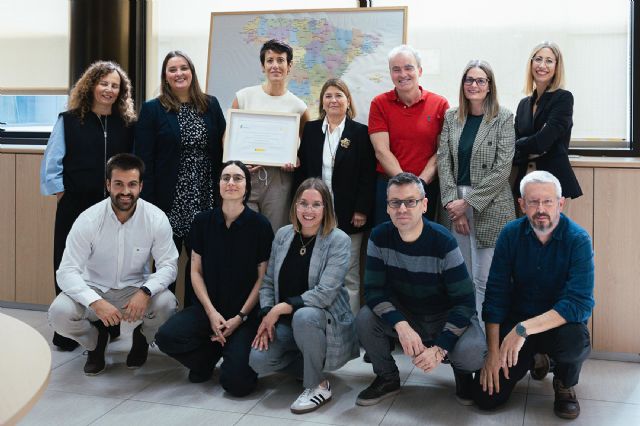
146 290
243 316
521 330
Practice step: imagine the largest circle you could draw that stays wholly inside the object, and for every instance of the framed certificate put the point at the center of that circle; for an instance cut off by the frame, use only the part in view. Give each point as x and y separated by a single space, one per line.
261 138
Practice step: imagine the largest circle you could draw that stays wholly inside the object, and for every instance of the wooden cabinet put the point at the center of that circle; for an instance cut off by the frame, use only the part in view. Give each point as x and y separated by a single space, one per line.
617 232
7 226
35 217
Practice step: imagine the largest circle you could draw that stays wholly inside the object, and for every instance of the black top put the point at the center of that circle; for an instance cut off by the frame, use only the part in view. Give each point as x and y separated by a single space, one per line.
465 147
354 170
159 144
87 152
230 256
546 134
294 273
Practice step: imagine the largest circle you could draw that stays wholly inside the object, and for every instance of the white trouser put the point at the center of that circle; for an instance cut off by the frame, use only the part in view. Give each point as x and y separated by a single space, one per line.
478 260
73 320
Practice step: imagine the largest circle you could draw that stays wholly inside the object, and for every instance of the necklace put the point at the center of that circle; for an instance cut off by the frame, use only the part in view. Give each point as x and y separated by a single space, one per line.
303 249
104 132
330 138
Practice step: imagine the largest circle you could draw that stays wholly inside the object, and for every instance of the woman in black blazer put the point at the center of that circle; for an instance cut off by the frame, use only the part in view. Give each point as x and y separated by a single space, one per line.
544 120
179 137
338 150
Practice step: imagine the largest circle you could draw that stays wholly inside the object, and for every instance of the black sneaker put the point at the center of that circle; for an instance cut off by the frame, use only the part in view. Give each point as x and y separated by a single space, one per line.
464 383
380 389
64 343
566 403
139 349
95 359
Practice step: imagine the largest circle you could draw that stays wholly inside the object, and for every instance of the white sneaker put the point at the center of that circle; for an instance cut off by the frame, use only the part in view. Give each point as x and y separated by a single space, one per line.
311 399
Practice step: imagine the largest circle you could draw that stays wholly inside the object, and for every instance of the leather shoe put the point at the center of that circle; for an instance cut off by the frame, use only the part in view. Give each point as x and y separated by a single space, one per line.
95 359
139 349
566 404
541 366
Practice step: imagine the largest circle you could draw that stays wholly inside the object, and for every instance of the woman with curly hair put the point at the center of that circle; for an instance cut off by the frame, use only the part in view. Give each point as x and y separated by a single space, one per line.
97 125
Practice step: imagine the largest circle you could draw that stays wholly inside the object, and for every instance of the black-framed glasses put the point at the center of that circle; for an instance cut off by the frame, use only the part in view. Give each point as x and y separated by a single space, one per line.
411 203
481 82
229 178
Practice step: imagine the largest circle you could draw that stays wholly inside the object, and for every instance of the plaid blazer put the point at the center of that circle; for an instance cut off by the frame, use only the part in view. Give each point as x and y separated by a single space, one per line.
327 269
491 159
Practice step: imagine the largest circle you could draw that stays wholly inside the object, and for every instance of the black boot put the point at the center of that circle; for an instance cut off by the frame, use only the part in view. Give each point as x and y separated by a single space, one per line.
464 383
64 343
114 332
95 359
139 349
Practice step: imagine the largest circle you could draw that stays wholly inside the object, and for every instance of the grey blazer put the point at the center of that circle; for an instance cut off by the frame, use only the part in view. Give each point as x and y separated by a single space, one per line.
491 159
327 269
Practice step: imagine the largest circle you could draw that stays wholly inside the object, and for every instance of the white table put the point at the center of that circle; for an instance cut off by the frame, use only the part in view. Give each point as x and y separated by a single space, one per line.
25 367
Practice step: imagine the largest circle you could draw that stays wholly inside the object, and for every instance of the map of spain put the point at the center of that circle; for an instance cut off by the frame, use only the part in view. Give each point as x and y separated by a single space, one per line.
321 50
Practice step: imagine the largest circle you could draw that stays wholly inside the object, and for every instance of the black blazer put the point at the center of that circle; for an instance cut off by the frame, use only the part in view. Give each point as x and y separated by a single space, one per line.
158 143
546 134
353 180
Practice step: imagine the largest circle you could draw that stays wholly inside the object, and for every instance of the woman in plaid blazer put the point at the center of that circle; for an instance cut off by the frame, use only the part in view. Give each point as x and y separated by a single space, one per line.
474 161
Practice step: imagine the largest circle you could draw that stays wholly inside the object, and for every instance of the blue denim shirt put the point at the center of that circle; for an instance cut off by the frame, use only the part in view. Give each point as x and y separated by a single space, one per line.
528 278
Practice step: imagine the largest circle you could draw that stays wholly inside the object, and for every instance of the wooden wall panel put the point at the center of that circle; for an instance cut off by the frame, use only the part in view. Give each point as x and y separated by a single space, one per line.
7 227
35 216
617 291
581 209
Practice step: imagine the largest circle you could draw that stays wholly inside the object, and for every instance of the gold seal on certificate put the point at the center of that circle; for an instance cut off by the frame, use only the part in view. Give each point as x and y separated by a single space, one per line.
261 138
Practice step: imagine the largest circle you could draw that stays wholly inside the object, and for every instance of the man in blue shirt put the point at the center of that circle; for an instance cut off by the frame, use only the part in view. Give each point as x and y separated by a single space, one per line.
417 291
539 298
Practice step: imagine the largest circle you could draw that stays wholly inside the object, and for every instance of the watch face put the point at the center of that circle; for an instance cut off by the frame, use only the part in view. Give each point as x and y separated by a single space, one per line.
521 331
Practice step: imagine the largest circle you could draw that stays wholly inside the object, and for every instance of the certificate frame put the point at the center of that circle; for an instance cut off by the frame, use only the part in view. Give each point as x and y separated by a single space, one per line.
261 138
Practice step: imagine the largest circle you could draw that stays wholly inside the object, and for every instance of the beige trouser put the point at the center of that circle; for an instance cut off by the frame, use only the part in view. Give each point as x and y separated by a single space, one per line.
73 320
352 280
270 195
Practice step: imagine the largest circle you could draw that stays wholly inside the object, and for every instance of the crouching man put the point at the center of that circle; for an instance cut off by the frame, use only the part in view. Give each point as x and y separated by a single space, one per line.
104 274
539 298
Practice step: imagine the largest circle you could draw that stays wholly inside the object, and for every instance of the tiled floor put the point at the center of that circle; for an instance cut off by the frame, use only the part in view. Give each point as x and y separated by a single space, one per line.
159 394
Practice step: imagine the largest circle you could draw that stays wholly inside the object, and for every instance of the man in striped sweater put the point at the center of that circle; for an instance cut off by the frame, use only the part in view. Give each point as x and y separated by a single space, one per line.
417 290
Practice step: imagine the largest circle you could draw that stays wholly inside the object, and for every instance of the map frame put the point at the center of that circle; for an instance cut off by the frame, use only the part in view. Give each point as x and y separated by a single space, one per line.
232 82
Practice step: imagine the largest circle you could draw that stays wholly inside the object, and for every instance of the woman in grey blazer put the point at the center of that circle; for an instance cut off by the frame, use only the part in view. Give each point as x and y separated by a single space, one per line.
474 161
307 326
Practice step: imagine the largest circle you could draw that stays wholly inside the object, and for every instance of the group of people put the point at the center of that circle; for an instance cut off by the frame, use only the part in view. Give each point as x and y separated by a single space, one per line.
273 278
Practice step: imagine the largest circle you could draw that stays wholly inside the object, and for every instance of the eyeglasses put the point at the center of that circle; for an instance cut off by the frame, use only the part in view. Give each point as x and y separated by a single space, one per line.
481 82
314 207
395 204
539 60
537 203
229 178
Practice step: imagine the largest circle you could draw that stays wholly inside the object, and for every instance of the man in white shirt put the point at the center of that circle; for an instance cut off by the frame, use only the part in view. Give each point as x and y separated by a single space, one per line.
104 274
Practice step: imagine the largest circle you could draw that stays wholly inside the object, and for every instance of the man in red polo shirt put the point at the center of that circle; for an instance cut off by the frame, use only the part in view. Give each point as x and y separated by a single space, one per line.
404 125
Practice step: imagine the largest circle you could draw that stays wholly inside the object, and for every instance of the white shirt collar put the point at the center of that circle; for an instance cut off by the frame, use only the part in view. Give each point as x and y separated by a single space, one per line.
340 128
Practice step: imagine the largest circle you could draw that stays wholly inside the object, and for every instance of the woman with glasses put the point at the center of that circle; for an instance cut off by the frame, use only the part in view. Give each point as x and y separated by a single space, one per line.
307 326
98 125
544 120
474 162
179 138
272 185
230 248
338 150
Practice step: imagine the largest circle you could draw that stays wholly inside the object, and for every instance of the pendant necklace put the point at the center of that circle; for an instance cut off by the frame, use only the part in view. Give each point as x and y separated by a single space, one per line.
303 249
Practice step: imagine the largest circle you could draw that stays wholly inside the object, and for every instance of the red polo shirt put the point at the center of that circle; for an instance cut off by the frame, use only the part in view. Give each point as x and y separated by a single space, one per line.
413 131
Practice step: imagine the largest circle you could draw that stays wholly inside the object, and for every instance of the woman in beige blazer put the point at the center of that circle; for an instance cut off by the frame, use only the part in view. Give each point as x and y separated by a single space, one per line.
474 161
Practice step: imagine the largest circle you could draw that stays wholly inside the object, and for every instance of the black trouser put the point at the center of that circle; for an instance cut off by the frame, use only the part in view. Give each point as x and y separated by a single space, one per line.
569 345
186 336
189 295
68 209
